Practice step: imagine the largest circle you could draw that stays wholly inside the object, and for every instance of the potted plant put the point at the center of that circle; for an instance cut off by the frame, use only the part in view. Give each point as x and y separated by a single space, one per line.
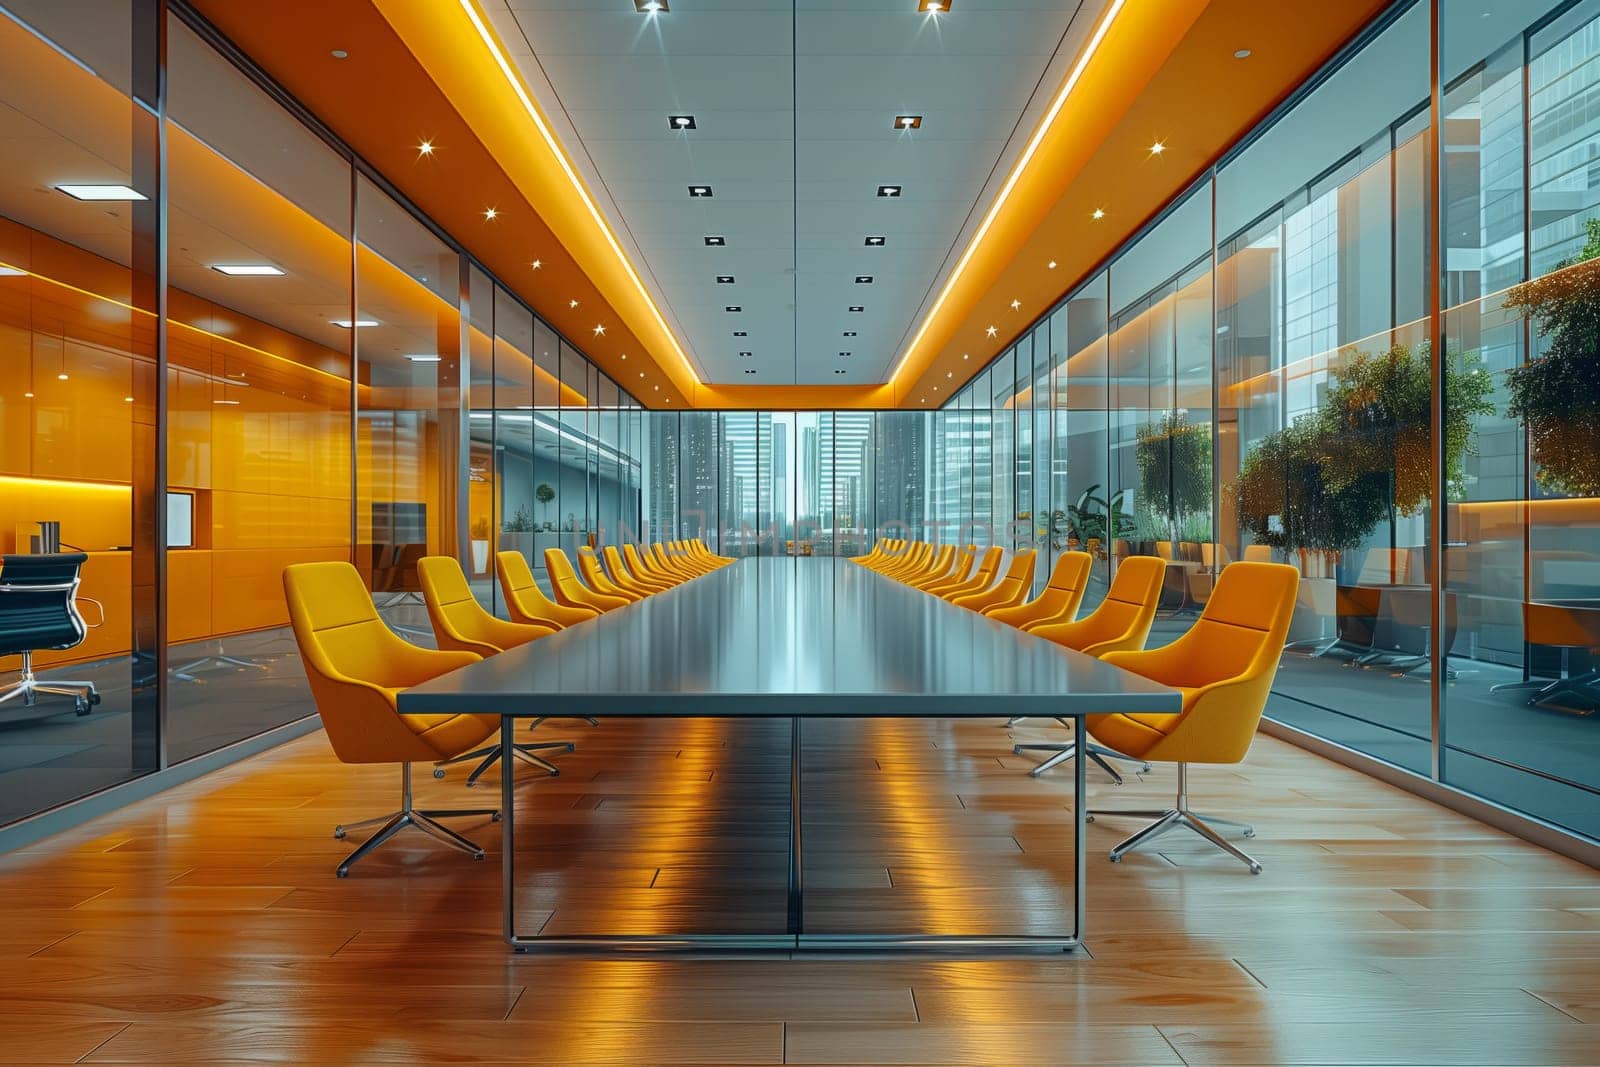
480 545
1174 460
544 493
1557 396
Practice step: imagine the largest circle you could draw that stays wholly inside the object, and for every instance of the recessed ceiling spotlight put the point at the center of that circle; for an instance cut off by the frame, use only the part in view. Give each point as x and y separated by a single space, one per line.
908 122
716 242
992 331
650 7
425 148
724 279
741 333
936 388
889 190
424 359
641 374
949 374
1098 213
339 53
63 376
699 192
1243 53
248 270
537 264
849 333
1015 304
749 370
572 303
965 356
101 192
840 370
599 330
934 7
863 279
844 355
623 357
490 214
127 400
680 122
746 355
358 323
733 307
1158 148
875 242
1050 265
657 388
857 308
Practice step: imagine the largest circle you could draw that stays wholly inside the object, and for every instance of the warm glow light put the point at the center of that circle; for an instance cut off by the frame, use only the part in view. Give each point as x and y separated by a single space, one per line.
101 192
12 272
517 87
600 330
1099 213
1050 265
127 400
248 270
1157 148
572 303
425 148
61 377
992 331
347 324
490 214
1015 304
538 264
1011 181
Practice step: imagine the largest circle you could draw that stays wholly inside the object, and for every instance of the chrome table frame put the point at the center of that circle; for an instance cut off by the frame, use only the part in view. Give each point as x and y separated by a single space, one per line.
795 938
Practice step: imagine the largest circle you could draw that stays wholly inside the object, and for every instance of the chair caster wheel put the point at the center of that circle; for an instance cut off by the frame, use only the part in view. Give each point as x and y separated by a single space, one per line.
572 748
338 833
94 698
1116 859
495 817
438 772
1088 818
477 855
342 873
80 707
1250 832
1255 868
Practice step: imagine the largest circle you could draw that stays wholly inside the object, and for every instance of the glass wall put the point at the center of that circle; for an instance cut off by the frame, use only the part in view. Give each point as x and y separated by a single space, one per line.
1259 375
332 379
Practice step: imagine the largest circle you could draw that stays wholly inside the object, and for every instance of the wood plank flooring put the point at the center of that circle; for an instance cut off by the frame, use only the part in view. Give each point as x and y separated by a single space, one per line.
205 925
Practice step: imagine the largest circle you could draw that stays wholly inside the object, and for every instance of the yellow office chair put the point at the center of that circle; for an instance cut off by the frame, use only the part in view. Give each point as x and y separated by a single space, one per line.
461 625
705 551
938 565
681 554
1121 623
356 665
870 557
980 579
620 575
662 561
640 564
570 591
526 602
894 552
1060 600
1009 590
912 563
594 576
1224 666
956 572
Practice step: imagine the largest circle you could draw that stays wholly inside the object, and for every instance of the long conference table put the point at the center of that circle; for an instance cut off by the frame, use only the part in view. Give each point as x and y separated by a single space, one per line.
795 638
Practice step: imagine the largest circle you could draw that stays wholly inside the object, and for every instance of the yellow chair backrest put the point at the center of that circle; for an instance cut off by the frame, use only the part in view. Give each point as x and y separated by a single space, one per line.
959 569
459 621
356 665
594 576
1225 664
571 591
620 575
1010 589
639 564
526 601
1062 595
938 563
1122 621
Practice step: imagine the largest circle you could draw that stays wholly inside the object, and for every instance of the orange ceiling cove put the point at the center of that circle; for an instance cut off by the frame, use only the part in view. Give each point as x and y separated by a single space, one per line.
420 71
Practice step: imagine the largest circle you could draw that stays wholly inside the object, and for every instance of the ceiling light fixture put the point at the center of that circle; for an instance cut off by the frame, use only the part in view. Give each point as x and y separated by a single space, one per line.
599 330
908 122
680 122
572 303
934 7
746 355
424 359
1050 265
1015 304
623 357
741 333
724 279
964 355
1158 148
490 214
101 192
491 44
750 370
127 400
248 270
1098 214
425 148
889 190
992 331
8 271
339 53
863 279
1243 53
856 308
650 7
1017 170
849 333
699 192
949 374
716 242
733 308
227 403
346 324
875 242
538 264
839 371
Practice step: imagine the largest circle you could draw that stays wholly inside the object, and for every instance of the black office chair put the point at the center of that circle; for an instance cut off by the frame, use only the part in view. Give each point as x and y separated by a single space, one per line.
39 610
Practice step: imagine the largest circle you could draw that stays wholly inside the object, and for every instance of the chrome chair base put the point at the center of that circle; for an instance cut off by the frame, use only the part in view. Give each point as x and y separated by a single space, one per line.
592 721
1181 815
426 821
490 755
84 694
1065 750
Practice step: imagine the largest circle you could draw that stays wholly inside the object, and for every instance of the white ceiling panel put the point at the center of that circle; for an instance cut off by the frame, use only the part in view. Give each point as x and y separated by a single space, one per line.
794 104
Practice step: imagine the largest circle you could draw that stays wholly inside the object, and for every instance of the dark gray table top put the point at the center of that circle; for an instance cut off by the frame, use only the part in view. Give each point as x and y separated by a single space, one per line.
790 637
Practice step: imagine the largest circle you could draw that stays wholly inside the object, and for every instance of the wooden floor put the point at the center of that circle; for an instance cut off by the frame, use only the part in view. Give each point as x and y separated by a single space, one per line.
206 925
